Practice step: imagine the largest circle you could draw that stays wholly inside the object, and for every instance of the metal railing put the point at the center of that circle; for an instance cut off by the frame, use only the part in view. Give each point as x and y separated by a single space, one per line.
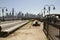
52 29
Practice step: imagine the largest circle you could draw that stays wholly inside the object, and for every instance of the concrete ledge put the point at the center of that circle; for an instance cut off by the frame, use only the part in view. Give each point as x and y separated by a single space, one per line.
6 32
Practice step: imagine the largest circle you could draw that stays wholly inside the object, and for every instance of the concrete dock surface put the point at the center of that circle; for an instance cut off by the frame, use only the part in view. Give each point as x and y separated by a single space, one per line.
27 32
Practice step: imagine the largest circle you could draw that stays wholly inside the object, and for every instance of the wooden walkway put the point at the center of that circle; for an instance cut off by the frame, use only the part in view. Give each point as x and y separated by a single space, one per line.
27 32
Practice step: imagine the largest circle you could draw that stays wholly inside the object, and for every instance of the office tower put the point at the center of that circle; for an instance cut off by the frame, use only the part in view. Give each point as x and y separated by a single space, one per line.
12 11
7 14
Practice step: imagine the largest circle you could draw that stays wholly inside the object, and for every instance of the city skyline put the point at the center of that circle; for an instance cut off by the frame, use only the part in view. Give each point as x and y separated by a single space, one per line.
31 6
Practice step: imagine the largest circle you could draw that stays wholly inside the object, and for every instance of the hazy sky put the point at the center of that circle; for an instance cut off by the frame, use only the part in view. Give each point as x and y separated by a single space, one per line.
31 6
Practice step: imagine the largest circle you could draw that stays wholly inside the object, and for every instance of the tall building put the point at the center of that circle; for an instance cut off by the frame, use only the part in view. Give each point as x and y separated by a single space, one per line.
10 15
27 14
12 11
7 14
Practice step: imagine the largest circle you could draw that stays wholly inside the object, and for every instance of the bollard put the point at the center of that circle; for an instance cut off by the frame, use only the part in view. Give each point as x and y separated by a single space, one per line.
0 28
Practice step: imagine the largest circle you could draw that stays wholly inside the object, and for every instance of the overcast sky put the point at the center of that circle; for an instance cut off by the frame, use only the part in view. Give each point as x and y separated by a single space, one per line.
31 6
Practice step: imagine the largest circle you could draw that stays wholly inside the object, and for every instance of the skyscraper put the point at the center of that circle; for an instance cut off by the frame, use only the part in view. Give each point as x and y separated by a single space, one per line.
12 11
7 14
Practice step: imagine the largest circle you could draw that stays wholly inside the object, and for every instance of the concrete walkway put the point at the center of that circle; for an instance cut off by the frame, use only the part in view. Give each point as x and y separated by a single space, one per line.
28 32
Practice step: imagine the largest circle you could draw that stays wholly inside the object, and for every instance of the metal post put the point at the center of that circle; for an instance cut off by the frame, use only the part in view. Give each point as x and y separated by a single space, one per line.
3 14
47 25
0 14
59 33
49 10
44 11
